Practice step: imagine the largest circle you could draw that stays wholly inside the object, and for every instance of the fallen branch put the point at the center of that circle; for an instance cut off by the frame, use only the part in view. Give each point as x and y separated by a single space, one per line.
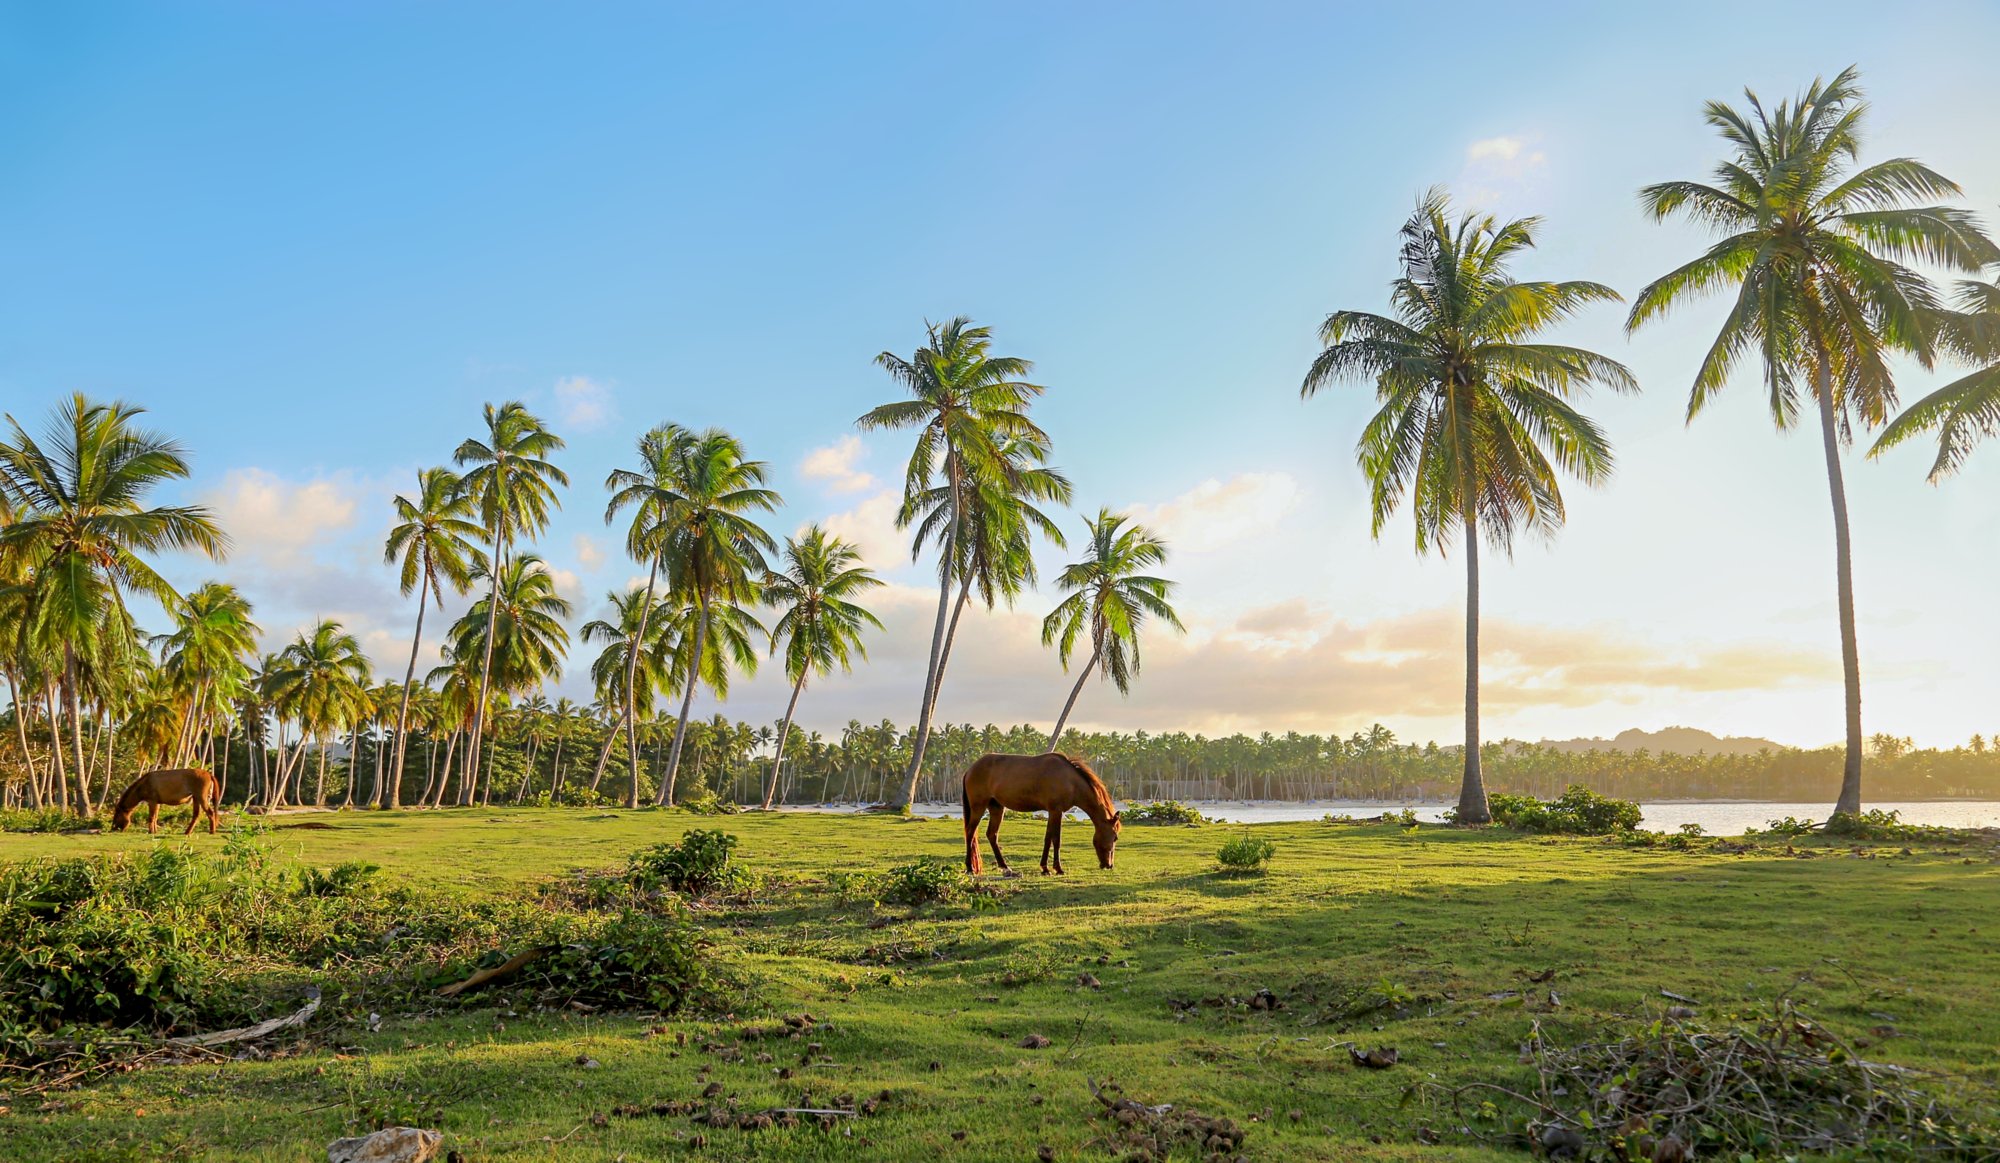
268 1026
506 968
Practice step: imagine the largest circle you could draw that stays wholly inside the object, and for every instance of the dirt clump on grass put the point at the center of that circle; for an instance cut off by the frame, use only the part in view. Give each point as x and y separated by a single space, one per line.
1145 1134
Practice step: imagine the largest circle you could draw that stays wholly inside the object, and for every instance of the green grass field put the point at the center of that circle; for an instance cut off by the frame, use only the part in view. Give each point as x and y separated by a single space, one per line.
1367 935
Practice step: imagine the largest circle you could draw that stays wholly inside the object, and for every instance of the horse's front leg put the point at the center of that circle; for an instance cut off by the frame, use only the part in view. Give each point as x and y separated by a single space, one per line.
195 811
152 819
993 836
1049 840
1055 832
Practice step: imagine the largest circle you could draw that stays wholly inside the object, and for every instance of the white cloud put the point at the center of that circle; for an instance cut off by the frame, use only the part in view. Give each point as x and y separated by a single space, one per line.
871 526
1497 166
582 402
1217 513
835 465
273 520
589 553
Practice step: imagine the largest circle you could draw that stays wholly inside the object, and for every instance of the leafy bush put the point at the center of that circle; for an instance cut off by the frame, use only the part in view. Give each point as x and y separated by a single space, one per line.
45 820
701 862
1577 812
1876 824
340 880
1246 853
1788 826
923 882
1163 812
708 804
630 958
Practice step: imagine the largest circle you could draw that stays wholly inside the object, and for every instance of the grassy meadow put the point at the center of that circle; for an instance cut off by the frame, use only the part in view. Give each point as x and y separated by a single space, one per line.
1368 935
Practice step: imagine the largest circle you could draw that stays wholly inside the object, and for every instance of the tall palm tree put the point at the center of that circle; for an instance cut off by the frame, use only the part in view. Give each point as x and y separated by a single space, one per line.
434 540
206 657
1110 600
1475 417
822 624
965 403
81 523
729 634
514 483
1815 250
633 669
714 551
1968 408
517 630
652 492
321 681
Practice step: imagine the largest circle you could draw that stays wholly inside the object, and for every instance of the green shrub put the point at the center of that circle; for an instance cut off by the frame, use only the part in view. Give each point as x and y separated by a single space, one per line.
340 880
46 820
1788 826
1163 812
1577 812
630 958
1246 853
923 882
1876 824
703 861
708 804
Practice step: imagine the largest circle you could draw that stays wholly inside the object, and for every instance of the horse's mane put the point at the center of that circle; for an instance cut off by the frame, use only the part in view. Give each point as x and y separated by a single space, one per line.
1089 778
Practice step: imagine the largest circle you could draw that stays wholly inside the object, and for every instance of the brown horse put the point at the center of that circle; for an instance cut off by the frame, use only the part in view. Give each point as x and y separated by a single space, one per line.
170 786
1052 783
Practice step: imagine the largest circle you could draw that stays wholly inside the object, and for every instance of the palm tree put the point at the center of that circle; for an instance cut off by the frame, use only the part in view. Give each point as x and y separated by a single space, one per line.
715 554
206 658
634 667
80 522
435 543
1111 599
1473 412
514 485
729 635
1815 250
518 632
651 492
822 624
321 680
965 403
1968 408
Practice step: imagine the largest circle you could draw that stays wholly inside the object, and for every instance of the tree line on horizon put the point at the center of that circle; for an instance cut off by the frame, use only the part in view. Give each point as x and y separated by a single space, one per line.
1478 423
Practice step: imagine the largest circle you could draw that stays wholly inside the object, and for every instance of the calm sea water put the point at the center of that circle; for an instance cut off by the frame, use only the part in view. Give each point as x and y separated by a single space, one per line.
1728 818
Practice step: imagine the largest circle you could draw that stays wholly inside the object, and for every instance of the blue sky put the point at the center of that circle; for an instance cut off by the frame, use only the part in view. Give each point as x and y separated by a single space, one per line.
313 239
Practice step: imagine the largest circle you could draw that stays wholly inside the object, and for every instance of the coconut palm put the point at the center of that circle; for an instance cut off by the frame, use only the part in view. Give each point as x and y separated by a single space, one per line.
651 492
1476 417
714 552
81 524
321 681
513 484
965 403
822 624
517 631
633 669
728 636
206 658
434 541
1966 409
1815 250
1110 600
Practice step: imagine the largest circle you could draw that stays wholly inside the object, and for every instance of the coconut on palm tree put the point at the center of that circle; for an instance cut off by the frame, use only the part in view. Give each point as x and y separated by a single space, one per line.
1476 416
513 483
1815 250
1967 409
434 540
965 403
821 624
1110 600
80 528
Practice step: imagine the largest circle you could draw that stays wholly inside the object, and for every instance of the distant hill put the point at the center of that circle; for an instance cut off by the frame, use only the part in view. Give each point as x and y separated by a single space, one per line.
1669 740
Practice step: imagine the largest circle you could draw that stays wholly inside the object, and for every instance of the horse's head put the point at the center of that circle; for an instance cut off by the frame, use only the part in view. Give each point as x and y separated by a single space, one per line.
121 816
1105 839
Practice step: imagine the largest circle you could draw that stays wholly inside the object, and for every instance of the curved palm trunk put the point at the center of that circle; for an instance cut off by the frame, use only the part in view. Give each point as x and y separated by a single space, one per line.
466 785
632 682
395 797
1472 808
21 736
76 731
1056 735
319 778
921 739
1850 651
604 762
784 733
61 765
666 796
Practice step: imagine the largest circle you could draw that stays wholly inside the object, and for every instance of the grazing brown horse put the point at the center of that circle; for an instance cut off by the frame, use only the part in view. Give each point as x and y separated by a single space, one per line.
170 786
1052 783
